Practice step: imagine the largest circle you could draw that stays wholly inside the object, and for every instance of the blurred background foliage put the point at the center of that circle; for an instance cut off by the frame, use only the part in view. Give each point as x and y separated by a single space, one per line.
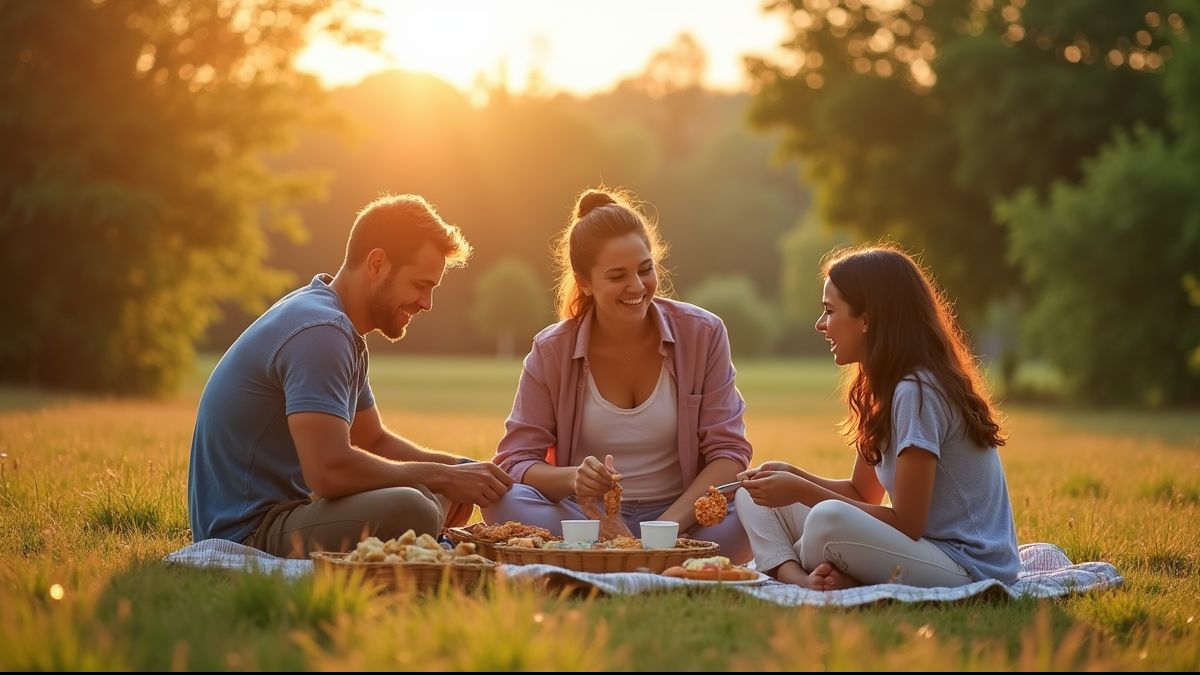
167 173
134 198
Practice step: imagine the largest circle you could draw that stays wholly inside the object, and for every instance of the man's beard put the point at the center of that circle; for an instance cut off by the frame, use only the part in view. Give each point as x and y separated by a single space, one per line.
383 315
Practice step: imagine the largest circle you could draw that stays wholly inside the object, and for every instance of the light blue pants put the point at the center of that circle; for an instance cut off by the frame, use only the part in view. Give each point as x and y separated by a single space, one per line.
525 504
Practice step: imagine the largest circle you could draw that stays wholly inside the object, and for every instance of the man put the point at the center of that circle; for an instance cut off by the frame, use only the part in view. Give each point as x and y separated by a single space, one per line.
289 454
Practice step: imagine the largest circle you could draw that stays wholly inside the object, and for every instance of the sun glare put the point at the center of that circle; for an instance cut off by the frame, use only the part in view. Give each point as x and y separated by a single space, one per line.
556 46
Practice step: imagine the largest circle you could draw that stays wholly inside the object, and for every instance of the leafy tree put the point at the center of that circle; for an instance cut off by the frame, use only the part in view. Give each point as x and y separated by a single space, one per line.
131 189
1109 260
751 320
914 117
1115 260
510 302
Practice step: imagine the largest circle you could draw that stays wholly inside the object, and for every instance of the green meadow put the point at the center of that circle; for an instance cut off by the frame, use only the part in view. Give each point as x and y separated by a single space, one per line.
93 495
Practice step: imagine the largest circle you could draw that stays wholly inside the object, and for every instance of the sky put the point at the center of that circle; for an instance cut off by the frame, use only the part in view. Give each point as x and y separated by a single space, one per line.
579 46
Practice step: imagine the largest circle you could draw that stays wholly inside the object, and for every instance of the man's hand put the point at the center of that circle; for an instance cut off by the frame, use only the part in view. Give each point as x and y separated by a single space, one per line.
481 483
593 478
767 466
774 488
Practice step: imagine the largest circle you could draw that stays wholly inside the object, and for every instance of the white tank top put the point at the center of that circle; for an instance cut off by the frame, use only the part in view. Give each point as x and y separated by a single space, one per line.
644 441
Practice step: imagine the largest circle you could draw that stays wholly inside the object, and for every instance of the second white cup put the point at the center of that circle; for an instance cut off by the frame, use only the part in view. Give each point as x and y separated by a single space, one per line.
580 530
659 533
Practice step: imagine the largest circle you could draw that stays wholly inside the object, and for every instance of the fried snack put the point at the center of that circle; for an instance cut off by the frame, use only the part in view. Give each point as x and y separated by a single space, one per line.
511 529
527 542
620 542
612 500
607 509
711 507
717 568
413 549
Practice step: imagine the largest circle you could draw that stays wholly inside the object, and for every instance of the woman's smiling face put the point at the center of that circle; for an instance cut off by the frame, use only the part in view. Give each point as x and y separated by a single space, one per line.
845 333
623 280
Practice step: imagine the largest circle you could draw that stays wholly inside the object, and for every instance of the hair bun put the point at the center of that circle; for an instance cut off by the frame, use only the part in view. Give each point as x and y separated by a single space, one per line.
592 199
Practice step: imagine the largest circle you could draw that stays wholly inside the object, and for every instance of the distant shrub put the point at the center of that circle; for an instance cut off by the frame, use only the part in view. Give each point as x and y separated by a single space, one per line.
752 321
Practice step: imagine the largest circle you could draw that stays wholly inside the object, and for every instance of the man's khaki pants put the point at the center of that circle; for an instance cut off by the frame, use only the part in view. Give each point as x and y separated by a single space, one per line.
296 528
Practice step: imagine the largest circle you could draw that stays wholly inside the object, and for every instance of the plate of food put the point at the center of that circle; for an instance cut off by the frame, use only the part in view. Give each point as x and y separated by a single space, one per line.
716 570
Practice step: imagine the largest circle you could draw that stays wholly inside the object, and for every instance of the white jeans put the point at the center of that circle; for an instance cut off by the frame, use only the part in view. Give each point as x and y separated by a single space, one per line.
849 538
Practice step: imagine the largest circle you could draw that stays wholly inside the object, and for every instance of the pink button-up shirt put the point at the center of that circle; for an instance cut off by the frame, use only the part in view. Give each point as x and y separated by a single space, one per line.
695 347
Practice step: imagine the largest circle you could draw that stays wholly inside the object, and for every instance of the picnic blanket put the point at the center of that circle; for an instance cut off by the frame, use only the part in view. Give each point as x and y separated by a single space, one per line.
1046 572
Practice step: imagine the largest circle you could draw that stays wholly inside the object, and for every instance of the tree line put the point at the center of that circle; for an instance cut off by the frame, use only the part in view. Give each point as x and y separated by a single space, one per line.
1041 157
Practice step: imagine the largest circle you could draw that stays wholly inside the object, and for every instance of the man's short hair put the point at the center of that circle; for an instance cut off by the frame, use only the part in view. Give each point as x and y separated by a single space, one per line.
400 225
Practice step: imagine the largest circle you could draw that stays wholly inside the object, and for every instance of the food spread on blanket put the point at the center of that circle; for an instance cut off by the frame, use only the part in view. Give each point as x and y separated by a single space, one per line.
410 548
716 568
711 507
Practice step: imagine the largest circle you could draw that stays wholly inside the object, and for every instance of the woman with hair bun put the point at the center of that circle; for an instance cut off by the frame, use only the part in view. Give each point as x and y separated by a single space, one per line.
627 376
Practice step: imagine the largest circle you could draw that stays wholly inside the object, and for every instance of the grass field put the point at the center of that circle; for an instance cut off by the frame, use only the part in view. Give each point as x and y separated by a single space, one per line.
92 495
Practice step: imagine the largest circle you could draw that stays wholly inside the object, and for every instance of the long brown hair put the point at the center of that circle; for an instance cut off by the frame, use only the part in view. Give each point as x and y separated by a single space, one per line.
910 326
599 215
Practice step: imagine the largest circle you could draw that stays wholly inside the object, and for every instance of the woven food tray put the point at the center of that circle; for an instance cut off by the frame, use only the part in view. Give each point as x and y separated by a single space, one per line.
607 560
484 547
420 577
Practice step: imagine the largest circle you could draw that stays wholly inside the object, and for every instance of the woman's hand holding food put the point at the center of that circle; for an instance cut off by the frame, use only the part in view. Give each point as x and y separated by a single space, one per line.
593 478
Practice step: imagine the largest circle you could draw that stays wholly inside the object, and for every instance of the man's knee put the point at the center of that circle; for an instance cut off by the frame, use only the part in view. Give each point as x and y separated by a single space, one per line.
403 508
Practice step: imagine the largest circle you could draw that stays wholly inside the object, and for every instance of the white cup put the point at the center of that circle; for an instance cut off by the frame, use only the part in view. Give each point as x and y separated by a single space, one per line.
580 530
659 533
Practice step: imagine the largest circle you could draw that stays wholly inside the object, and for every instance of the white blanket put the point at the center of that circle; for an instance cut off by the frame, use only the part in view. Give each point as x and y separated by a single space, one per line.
1045 573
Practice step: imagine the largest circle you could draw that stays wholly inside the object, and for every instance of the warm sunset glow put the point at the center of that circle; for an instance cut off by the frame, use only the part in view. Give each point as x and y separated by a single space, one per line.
575 47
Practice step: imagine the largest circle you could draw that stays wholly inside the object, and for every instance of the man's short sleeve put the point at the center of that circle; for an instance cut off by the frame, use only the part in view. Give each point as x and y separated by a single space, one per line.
318 368
366 397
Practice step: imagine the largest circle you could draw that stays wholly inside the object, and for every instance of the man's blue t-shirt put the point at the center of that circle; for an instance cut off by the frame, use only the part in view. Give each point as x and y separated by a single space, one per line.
301 355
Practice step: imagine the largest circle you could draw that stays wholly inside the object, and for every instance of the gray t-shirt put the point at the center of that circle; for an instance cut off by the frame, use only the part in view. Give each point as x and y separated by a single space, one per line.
301 355
970 517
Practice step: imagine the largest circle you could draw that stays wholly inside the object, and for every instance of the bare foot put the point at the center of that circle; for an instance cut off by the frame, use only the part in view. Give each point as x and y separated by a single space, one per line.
826 577
791 573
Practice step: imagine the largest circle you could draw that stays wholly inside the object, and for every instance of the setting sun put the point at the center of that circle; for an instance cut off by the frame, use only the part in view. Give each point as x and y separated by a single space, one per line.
570 47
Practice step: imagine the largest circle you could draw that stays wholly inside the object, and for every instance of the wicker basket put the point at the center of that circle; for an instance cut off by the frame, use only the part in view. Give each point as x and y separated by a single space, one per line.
419 577
607 560
484 547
